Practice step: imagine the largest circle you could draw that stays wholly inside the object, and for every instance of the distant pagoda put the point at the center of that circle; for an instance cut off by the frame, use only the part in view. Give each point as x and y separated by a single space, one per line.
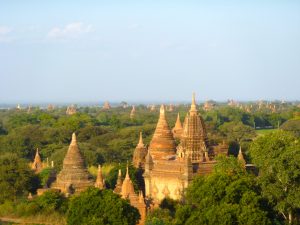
37 164
106 105
71 110
74 176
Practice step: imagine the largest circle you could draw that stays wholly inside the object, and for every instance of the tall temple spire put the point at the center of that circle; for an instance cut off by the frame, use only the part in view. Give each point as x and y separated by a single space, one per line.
193 141
193 109
100 181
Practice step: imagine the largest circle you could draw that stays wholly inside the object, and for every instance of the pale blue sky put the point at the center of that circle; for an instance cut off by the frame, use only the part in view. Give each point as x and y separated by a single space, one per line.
148 50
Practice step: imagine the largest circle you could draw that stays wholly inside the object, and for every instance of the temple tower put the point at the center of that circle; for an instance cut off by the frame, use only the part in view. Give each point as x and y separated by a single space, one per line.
139 155
194 141
162 144
74 176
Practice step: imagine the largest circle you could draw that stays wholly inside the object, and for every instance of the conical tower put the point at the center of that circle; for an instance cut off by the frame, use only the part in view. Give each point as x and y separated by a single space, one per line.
194 141
37 164
127 186
74 176
118 187
139 155
177 130
162 143
100 181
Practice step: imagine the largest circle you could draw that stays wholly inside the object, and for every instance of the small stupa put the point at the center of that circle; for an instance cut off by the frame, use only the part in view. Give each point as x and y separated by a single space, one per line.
37 164
139 155
100 181
177 130
241 157
118 187
74 176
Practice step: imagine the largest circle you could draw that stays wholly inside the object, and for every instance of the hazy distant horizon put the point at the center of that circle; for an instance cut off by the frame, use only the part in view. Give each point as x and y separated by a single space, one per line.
93 51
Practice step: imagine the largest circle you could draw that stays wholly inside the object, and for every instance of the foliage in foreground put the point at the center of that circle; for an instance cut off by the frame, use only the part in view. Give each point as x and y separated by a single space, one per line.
94 206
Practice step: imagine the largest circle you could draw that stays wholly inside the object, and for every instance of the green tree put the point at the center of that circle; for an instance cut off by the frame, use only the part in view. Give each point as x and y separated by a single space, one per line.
237 131
277 156
228 196
16 179
94 206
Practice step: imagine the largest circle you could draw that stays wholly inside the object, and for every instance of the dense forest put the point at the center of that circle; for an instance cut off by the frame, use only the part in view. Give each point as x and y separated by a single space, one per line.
230 195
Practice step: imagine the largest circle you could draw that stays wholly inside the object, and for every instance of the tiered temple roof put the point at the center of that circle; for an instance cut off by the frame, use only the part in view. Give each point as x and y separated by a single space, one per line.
139 155
162 144
194 141
74 176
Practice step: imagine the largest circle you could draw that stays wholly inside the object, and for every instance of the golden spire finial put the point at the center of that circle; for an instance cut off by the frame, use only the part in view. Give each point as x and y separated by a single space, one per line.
74 141
162 110
127 172
141 140
193 105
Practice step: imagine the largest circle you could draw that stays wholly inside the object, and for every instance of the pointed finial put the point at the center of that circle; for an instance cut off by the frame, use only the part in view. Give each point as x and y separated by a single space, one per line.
162 110
120 173
74 141
127 172
241 156
141 144
193 105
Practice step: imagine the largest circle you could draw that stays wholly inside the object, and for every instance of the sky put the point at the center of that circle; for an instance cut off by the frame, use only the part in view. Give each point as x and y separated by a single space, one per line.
84 50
